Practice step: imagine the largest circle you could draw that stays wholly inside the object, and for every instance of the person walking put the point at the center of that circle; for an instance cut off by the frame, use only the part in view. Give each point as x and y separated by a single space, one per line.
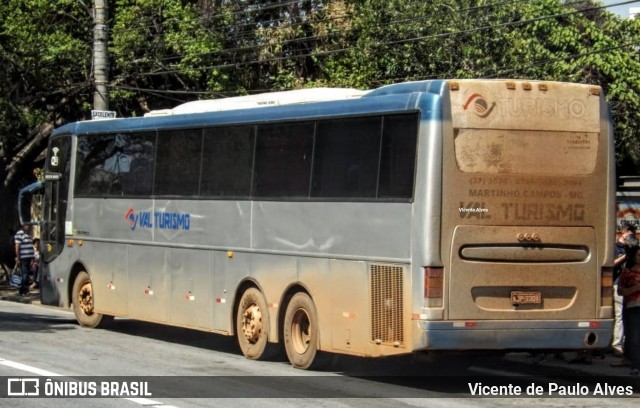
24 256
625 243
35 264
629 288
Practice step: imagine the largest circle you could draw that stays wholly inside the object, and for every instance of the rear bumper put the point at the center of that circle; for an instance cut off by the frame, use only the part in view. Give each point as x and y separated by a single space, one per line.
513 335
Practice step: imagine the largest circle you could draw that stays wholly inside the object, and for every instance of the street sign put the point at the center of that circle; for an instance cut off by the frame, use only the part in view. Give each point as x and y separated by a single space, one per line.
101 114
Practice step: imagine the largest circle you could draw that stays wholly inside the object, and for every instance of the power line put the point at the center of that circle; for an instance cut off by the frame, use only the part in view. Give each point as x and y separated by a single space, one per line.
501 71
315 37
393 42
260 8
229 64
498 71
568 57
444 13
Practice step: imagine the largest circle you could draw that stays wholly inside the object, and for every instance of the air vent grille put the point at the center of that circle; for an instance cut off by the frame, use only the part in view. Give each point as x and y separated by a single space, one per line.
386 304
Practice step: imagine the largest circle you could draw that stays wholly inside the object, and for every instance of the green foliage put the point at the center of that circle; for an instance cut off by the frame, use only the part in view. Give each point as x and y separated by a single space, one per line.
45 67
590 46
161 45
163 52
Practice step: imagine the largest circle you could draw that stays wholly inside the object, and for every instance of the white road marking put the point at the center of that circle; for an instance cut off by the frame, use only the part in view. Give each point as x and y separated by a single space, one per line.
24 367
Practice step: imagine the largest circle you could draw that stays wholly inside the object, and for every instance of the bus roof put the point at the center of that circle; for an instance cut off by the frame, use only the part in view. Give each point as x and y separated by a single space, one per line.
310 95
299 104
388 99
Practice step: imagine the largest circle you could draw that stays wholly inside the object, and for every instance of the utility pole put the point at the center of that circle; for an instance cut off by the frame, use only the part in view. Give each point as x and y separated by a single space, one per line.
100 55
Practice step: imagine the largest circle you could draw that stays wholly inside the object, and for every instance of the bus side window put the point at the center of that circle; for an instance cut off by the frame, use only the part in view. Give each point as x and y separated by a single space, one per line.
346 158
398 161
283 160
141 148
91 177
177 174
227 162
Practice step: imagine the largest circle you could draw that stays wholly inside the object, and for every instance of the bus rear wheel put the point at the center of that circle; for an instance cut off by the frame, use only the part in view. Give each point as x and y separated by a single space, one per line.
83 306
301 335
252 324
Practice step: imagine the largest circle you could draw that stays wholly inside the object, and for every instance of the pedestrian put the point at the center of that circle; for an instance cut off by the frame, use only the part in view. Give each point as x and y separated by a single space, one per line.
35 264
629 288
617 340
624 244
24 256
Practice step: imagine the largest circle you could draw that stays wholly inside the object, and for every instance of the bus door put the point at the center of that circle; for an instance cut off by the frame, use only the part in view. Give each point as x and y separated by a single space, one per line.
56 191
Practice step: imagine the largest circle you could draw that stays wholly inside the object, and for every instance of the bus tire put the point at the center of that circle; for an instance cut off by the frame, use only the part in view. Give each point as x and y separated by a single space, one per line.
252 324
82 301
301 335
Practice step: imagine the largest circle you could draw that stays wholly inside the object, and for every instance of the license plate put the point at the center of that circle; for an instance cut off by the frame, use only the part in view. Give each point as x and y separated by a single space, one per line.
526 297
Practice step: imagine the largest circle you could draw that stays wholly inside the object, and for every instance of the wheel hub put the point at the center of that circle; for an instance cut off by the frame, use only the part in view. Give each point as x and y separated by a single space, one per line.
86 299
252 323
301 331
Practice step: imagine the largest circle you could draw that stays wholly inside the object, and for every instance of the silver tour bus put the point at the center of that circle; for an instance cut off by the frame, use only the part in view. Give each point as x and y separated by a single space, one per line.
435 216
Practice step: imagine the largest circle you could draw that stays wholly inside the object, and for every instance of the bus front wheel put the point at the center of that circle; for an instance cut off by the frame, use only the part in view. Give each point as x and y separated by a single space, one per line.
252 324
301 335
83 306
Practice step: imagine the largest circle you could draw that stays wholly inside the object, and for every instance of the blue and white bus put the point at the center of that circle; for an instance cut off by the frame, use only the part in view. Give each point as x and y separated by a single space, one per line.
425 216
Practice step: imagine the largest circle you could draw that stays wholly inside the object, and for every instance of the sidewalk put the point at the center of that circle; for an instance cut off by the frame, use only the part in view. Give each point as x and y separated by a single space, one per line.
9 293
571 366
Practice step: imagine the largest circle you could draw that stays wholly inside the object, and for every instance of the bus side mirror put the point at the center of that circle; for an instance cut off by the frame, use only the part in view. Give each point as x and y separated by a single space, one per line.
30 200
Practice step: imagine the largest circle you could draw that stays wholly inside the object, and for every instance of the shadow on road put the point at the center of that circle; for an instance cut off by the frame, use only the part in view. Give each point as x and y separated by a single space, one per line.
341 376
177 335
407 365
33 322
346 365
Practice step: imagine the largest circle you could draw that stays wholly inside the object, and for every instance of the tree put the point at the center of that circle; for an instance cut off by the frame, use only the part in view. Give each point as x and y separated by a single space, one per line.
163 47
577 41
45 73
586 44
164 52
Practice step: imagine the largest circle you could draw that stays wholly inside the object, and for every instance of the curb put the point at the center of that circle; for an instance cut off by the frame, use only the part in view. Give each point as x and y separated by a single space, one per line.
10 294
598 369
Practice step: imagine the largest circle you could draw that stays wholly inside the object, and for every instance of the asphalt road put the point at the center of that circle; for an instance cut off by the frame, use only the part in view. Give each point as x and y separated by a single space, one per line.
184 368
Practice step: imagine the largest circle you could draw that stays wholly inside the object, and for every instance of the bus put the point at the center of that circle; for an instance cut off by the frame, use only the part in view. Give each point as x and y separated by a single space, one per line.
627 203
429 216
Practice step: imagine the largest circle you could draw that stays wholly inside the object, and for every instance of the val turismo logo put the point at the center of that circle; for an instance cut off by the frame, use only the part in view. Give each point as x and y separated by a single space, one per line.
480 105
157 219
131 218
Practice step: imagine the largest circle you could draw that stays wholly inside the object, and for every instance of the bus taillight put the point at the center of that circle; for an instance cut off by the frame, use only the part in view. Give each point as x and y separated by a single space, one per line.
433 286
606 285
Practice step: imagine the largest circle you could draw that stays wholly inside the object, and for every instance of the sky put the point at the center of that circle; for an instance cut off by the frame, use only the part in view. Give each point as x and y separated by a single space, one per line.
622 11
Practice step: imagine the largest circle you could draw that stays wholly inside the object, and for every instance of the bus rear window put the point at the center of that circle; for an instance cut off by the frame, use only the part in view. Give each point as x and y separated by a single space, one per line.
526 152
